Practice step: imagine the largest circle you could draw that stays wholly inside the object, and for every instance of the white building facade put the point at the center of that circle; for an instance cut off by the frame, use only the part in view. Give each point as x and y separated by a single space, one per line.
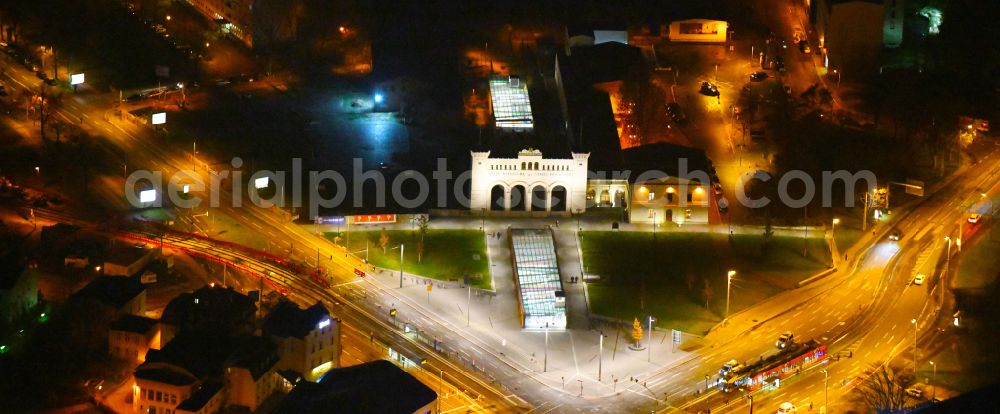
529 183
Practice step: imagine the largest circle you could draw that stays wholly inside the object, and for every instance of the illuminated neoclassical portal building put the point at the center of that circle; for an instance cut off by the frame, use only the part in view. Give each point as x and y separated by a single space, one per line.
529 183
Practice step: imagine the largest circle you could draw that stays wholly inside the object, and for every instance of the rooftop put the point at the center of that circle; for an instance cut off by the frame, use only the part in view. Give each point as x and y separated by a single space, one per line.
201 396
258 355
216 309
163 375
127 255
373 387
133 323
11 269
200 354
604 62
114 291
287 320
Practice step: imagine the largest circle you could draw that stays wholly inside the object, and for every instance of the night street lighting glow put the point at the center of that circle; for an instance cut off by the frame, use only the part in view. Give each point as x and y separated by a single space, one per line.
378 98
147 196
159 118
260 183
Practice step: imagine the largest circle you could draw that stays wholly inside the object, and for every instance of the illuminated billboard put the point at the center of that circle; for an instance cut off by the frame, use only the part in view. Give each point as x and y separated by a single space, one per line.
374 219
76 79
159 118
511 106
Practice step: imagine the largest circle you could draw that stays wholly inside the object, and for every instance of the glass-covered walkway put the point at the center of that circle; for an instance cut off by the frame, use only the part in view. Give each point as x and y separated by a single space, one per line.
540 292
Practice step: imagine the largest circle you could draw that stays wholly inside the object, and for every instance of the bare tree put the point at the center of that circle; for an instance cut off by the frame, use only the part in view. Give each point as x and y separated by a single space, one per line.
422 225
884 391
707 292
42 103
383 240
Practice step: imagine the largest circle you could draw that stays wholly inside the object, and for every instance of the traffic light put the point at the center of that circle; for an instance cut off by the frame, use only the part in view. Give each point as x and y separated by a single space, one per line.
392 312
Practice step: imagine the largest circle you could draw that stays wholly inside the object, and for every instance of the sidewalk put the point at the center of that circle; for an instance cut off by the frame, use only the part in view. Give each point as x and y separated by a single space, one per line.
572 360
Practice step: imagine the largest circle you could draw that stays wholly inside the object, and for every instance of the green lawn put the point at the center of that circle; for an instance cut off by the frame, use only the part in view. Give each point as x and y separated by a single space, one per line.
448 254
979 267
666 276
846 237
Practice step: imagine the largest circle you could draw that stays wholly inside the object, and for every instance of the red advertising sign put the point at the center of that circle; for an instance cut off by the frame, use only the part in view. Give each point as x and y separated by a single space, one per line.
374 219
359 272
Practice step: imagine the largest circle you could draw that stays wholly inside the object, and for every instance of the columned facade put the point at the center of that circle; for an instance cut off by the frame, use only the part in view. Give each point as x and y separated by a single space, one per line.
529 183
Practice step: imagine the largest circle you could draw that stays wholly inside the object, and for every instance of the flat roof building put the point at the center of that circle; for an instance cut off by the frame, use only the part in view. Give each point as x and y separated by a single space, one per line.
123 294
377 387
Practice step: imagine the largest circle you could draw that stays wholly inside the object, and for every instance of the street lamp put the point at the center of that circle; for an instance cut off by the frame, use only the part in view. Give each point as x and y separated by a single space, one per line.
914 322
600 354
38 171
649 344
729 285
947 256
833 239
838 78
545 363
934 381
401 249
826 390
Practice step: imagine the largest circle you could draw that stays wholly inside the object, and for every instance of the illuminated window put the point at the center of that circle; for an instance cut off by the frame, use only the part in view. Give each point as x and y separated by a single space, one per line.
652 196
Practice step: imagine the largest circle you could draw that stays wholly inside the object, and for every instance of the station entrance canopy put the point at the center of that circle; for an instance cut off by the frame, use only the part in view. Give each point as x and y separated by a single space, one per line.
540 293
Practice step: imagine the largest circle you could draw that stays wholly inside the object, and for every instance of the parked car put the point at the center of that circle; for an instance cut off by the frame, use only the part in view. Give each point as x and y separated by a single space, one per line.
676 113
50 81
758 76
915 392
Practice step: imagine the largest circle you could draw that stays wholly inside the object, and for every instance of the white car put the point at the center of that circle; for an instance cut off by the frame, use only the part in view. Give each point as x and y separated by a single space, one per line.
786 408
974 218
919 279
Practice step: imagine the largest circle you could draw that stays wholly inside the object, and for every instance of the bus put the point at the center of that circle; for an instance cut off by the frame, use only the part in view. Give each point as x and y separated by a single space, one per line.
775 367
